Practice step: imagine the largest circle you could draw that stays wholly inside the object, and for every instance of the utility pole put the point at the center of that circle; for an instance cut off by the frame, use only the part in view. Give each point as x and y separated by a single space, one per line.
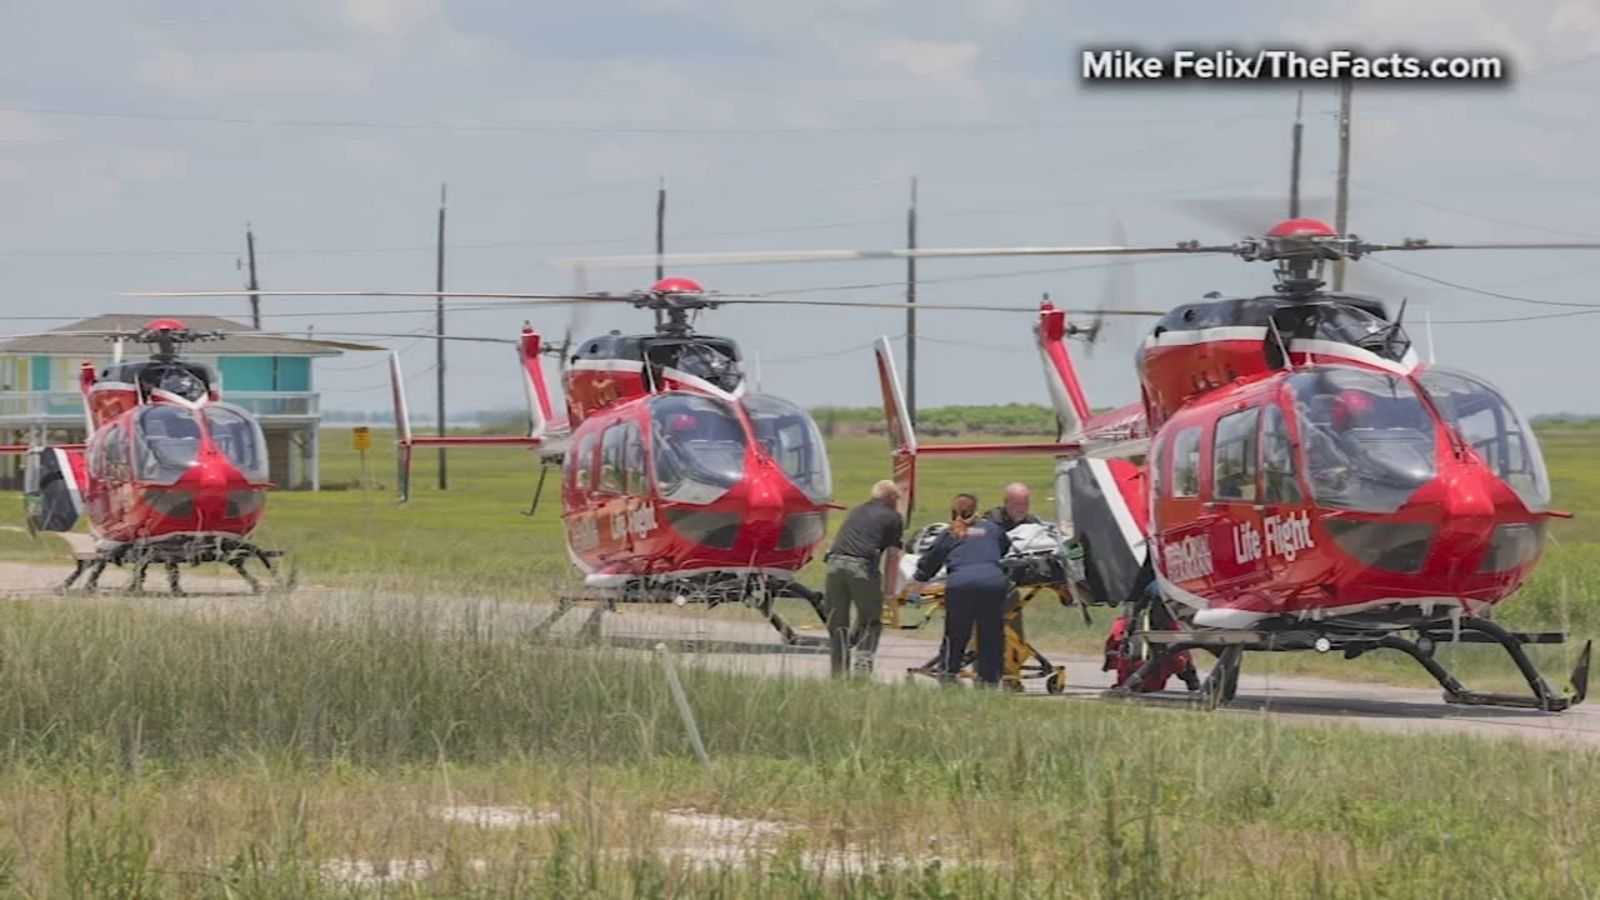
1342 215
661 234
438 367
911 307
1294 164
255 298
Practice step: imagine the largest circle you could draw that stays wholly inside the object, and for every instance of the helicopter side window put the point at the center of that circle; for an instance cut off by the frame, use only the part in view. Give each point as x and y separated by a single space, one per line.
111 457
1186 463
1233 456
1278 481
611 453
166 443
633 462
1367 438
792 440
698 446
584 463
1500 437
239 438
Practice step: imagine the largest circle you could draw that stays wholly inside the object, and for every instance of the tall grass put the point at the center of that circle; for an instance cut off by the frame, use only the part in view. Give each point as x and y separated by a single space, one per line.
164 755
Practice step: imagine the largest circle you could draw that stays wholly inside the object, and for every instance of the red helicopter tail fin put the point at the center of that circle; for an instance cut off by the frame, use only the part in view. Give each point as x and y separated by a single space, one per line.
406 442
1066 392
541 412
902 437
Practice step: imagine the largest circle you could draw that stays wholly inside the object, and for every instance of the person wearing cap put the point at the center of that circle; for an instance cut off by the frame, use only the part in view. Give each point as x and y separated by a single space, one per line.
854 581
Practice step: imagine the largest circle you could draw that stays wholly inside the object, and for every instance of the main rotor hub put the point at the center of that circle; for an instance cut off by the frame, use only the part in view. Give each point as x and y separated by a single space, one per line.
167 334
676 297
1300 247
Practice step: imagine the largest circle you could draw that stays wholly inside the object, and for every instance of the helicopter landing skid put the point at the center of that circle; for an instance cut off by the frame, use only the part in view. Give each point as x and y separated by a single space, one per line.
1229 647
757 593
172 554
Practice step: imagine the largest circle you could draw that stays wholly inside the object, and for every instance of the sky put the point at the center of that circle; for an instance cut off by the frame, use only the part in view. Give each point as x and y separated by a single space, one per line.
137 139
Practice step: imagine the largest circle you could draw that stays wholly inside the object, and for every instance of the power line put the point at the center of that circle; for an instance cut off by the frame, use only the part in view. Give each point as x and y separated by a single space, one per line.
1560 315
1472 215
1487 293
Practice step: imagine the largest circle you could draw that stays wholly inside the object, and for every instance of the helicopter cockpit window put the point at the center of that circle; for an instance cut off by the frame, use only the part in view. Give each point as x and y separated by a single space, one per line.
790 438
1367 438
1500 437
166 443
699 447
240 439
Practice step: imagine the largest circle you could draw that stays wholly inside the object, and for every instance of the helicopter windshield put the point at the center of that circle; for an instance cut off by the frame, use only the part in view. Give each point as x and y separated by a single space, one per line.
1501 438
1367 437
239 438
699 447
166 443
791 438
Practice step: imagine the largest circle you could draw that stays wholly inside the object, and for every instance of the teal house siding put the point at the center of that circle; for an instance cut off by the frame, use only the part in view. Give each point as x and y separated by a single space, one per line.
41 374
246 373
265 373
294 373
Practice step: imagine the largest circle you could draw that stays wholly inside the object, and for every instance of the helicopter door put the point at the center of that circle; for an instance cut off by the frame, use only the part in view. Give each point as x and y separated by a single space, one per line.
611 501
580 505
639 503
1284 515
1239 544
1182 522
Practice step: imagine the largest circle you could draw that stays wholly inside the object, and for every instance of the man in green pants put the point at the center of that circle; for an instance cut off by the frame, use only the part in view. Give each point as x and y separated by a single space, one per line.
855 582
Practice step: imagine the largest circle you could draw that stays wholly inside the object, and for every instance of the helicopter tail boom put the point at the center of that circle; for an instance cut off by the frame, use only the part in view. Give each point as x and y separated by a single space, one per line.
406 442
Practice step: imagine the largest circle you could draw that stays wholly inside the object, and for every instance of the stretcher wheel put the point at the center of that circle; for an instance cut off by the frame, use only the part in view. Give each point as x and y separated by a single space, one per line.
1055 683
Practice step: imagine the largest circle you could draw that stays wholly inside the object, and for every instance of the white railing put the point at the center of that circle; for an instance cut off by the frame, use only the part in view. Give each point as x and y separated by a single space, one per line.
39 405
274 404
24 407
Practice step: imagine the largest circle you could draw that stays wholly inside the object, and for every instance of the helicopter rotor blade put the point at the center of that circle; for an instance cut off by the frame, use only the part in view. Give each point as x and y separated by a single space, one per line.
943 307
424 295
759 257
1425 244
710 299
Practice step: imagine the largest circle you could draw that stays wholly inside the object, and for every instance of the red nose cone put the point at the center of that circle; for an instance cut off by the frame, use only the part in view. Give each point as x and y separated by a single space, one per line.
677 286
1302 228
164 325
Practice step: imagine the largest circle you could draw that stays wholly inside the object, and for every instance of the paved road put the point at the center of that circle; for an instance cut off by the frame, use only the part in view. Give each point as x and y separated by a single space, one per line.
746 644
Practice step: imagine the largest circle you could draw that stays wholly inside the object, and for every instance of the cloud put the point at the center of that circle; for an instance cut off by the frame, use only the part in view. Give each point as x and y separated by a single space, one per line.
945 60
276 70
21 128
390 18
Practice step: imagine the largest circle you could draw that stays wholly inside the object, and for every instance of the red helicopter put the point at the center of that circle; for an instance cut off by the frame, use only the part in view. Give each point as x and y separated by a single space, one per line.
1292 478
170 473
678 483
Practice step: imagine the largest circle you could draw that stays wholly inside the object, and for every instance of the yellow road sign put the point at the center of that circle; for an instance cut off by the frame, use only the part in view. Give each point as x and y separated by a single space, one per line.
361 438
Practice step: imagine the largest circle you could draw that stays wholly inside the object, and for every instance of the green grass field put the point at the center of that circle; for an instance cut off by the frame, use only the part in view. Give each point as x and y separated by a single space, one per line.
150 756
